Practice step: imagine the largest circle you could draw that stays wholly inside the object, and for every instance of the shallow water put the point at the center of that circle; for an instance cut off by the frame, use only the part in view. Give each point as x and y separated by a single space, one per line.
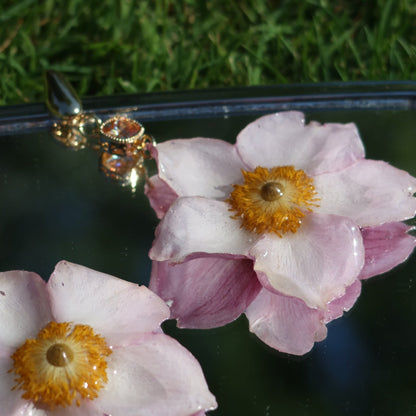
55 204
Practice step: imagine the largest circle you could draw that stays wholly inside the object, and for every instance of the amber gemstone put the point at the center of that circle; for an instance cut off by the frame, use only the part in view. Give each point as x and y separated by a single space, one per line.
126 170
122 129
119 165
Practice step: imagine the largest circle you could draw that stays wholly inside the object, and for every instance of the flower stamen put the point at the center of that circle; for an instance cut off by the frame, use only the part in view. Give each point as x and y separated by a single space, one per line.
273 200
64 364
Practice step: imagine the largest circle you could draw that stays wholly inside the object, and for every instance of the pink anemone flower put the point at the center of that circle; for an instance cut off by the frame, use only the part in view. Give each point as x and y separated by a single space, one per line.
282 225
89 344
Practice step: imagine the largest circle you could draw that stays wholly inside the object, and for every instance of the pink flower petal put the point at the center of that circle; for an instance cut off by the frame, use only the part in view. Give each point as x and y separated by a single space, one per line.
199 167
343 304
369 192
386 246
316 263
30 410
282 139
285 323
13 405
205 292
199 225
87 408
116 309
160 195
155 377
288 325
11 402
24 307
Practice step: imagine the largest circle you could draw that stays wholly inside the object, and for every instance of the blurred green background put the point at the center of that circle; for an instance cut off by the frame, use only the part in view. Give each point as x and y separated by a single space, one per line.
127 46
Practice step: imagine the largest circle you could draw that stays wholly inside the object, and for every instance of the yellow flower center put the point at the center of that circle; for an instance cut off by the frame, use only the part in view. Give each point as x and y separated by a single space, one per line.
273 200
63 364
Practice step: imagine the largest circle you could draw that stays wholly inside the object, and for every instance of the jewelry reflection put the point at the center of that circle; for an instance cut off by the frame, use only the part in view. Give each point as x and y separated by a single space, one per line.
120 141
124 150
78 131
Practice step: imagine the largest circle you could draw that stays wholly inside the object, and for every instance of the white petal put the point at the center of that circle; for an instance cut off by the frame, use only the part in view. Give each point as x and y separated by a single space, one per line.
115 308
87 408
285 323
316 264
11 403
370 192
199 167
343 304
283 139
24 307
31 410
199 225
159 377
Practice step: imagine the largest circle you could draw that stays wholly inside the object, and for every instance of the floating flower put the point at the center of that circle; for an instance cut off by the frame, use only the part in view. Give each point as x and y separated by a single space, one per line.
87 343
282 225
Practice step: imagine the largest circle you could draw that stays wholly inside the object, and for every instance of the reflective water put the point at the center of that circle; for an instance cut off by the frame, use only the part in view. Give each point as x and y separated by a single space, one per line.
55 204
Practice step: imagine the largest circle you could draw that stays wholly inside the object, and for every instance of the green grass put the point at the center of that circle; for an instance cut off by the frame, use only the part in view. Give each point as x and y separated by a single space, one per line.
109 47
